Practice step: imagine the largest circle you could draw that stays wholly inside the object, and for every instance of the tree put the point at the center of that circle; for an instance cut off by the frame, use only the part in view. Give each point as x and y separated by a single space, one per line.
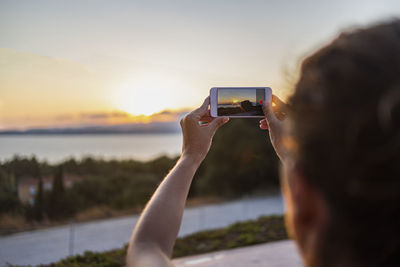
38 204
57 200
58 182
9 201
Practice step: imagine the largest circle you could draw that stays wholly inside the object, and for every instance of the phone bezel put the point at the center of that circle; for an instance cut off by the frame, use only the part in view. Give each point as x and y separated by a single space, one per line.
214 100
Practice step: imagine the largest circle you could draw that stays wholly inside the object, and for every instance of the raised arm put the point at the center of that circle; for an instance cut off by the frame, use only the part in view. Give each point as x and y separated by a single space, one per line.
154 235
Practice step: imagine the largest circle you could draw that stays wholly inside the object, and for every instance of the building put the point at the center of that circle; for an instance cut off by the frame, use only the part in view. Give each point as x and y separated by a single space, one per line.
27 187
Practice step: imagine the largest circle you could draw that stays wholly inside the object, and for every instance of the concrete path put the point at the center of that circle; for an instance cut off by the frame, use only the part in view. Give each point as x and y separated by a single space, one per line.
275 254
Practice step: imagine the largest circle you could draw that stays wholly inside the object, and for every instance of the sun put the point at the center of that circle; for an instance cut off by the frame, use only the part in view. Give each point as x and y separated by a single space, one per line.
145 94
235 101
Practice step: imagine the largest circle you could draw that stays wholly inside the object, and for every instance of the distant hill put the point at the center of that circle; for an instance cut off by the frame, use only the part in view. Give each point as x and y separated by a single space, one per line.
134 128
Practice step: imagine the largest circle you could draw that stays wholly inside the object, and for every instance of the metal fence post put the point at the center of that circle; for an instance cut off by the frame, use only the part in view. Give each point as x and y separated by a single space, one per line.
71 237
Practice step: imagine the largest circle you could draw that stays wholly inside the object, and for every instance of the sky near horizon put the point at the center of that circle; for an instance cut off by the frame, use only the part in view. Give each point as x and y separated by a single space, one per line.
229 96
69 63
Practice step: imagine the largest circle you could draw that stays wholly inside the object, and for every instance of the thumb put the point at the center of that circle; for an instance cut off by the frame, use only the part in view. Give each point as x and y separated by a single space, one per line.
216 123
270 114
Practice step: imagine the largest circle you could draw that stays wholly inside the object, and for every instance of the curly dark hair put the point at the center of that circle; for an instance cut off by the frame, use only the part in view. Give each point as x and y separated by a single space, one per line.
345 116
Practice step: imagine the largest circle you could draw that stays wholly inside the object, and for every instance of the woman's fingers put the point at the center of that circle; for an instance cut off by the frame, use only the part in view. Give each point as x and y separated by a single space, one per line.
269 113
263 124
206 119
279 107
202 110
277 101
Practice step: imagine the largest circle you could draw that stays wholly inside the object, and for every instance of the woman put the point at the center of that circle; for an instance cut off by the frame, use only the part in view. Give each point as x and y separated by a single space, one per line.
340 151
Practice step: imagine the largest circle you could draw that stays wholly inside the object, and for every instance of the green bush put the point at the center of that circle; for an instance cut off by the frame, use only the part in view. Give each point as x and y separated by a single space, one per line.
262 230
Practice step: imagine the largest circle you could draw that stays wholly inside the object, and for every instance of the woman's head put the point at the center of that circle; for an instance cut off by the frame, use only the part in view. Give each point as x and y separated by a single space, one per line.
345 123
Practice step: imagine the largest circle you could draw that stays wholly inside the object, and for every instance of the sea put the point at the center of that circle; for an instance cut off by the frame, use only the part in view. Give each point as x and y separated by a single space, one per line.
56 148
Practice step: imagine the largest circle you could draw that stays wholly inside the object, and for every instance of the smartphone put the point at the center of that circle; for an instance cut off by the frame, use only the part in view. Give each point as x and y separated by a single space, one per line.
239 102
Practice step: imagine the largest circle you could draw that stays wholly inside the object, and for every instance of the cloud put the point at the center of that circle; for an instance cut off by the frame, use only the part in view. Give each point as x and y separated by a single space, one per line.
169 115
165 112
121 117
104 115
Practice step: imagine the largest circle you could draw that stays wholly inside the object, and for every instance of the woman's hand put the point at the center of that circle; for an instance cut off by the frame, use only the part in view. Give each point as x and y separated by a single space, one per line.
197 137
275 113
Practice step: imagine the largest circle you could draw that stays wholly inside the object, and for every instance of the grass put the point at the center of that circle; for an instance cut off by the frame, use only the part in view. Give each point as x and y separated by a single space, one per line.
264 229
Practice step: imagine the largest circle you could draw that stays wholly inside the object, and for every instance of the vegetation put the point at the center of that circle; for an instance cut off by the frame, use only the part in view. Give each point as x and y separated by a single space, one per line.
9 201
240 161
263 230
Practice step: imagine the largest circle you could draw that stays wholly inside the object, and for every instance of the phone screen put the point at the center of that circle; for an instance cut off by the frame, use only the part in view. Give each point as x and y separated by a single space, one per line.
240 101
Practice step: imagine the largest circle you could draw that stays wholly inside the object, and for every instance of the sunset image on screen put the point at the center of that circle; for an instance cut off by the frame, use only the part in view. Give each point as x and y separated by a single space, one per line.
240 102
